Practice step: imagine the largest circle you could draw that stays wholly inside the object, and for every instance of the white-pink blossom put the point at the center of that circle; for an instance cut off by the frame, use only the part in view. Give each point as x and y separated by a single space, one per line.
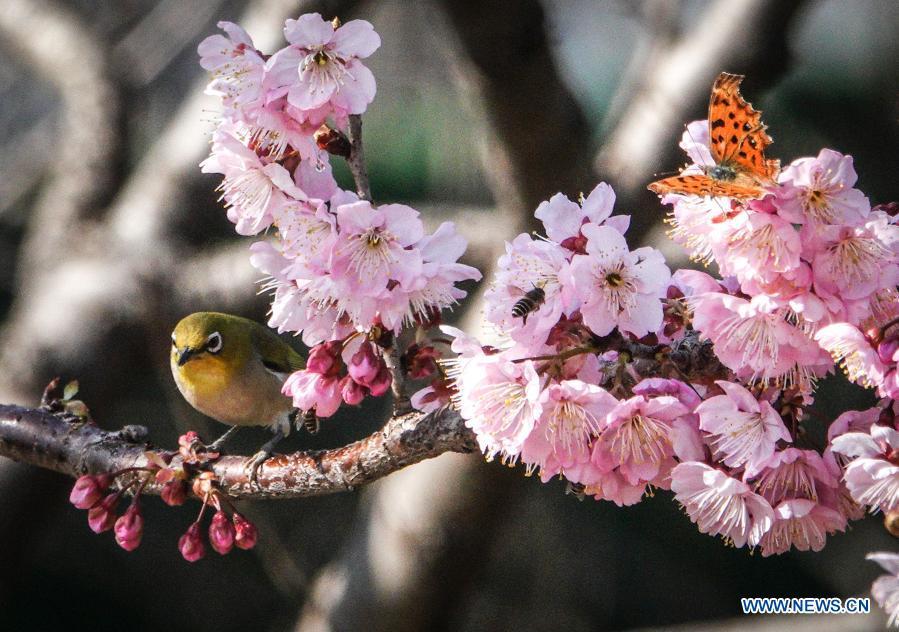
743 430
801 524
617 287
573 413
321 68
721 505
872 475
254 191
885 588
819 191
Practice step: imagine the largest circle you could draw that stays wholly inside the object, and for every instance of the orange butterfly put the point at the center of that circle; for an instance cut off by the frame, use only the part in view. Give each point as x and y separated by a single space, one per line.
737 140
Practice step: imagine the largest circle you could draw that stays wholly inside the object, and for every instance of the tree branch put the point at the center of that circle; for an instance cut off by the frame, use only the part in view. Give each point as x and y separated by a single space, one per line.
64 444
356 161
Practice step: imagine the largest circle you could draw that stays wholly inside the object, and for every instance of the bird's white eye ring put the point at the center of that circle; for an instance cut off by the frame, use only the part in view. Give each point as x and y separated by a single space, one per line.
214 342
174 342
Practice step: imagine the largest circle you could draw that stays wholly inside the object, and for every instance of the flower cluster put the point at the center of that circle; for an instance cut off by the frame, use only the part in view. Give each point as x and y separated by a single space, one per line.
805 268
564 395
93 493
343 271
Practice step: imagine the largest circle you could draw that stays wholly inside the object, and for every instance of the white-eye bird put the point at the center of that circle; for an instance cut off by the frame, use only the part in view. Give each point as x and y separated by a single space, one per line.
232 369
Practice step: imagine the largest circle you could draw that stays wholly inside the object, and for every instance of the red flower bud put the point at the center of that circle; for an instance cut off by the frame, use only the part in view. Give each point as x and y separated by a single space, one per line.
365 364
352 393
88 490
221 533
174 493
101 516
323 358
886 350
381 383
191 544
245 532
129 528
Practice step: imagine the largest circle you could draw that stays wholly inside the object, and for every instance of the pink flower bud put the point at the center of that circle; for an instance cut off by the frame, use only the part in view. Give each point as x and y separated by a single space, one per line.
887 349
88 490
352 393
245 532
323 358
221 533
191 544
365 364
381 383
129 528
101 516
174 493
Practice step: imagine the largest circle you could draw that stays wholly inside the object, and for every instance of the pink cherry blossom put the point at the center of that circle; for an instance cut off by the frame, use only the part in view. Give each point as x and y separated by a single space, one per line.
573 413
885 588
563 218
819 191
527 265
314 391
854 353
321 66
617 287
637 439
235 65
754 339
696 223
801 524
744 430
792 473
855 262
373 246
721 505
307 233
756 246
253 191
498 398
872 476
611 486
435 288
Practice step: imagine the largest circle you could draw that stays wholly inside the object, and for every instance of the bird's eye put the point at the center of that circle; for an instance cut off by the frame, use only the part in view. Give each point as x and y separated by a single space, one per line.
214 342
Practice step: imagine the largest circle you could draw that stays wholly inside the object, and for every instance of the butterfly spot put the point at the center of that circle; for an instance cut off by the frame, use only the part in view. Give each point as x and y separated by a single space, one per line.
742 154
731 115
717 123
734 139
746 126
725 102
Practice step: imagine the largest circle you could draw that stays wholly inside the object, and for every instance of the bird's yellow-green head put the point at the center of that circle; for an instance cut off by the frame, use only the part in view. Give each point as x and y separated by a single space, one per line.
210 341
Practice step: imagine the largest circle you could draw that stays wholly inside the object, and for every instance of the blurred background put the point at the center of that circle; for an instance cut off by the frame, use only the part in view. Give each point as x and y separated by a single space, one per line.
109 234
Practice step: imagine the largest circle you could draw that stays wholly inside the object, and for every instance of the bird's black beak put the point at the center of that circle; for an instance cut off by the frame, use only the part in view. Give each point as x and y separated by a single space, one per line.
184 355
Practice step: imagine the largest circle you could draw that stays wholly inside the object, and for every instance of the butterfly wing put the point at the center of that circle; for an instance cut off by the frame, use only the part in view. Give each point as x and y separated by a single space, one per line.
736 133
701 184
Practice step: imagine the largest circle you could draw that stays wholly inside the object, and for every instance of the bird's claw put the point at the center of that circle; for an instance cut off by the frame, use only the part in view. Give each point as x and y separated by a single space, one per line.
253 464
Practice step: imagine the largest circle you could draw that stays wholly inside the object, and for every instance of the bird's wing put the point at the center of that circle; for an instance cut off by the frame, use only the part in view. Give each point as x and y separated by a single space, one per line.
276 355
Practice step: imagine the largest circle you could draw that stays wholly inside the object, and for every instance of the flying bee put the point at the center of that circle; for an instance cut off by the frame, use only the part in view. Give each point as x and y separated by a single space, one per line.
528 303
310 421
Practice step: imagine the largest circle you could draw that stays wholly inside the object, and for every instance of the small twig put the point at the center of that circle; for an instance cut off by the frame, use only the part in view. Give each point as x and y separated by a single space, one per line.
401 402
356 161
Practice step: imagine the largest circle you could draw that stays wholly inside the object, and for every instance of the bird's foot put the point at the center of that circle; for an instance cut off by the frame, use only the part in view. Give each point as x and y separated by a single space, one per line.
255 462
218 444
